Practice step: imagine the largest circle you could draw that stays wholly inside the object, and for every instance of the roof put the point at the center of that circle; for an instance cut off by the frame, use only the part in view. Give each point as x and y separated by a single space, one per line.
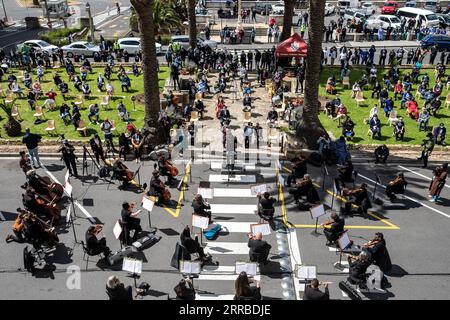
294 46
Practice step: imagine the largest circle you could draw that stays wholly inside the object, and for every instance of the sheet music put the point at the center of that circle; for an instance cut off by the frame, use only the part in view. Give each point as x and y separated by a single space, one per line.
117 230
261 188
344 241
147 204
317 211
251 268
132 265
200 222
190 267
264 228
306 272
68 188
280 180
206 193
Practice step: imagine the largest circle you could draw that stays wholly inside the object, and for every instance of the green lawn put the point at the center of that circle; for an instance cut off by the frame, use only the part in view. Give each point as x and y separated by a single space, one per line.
137 117
412 134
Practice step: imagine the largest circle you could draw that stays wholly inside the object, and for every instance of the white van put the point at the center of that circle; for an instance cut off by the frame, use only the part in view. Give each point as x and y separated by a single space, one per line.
346 4
424 16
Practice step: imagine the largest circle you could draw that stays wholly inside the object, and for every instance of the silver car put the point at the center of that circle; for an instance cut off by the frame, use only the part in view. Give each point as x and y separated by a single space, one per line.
201 41
79 48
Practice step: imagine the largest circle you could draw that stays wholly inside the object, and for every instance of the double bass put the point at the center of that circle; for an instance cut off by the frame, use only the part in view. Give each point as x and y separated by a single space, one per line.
127 174
171 169
165 193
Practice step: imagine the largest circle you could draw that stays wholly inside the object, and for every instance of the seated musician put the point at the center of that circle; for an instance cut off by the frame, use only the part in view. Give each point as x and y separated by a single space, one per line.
122 173
381 152
192 246
24 163
298 171
201 207
346 172
185 290
335 229
312 291
266 209
302 188
131 220
38 233
18 229
164 167
34 182
357 268
94 245
357 196
32 202
396 186
378 252
259 249
156 187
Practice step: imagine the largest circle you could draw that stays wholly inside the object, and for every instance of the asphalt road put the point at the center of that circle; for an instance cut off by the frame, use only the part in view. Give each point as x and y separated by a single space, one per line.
415 230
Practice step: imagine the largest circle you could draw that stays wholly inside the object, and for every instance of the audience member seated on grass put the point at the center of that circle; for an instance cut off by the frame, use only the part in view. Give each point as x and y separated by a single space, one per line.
435 105
11 79
384 94
27 81
406 97
125 83
375 127
424 118
340 113
40 73
373 111
412 109
355 89
437 90
83 73
387 83
399 129
373 74
100 83
76 117
331 86
330 106
376 90
347 128
428 97
93 112
109 89
86 90
64 88
31 99
388 106
398 89
439 134
363 81
135 69
381 153
122 111
77 83
64 113
17 90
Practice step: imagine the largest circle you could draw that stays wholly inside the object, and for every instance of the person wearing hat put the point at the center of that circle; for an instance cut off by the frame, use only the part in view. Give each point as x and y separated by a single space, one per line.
428 146
68 155
439 134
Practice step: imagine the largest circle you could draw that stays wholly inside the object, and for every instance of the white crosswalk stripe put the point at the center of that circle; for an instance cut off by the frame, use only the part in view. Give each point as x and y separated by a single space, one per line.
237 248
232 178
233 208
233 193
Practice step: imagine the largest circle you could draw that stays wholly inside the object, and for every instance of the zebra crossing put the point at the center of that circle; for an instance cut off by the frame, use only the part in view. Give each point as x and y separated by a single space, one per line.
234 207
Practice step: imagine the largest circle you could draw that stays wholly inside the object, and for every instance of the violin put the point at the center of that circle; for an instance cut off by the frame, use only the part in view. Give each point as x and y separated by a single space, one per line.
351 192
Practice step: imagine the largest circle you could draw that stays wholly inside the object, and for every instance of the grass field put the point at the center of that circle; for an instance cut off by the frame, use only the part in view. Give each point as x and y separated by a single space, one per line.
412 134
137 117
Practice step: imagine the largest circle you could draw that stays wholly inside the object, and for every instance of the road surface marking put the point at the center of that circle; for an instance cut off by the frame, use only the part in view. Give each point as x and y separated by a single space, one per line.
233 208
226 248
2 217
232 178
199 296
238 227
176 213
223 277
233 193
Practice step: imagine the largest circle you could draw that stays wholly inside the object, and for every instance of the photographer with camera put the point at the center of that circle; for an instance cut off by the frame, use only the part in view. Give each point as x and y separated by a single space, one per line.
68 155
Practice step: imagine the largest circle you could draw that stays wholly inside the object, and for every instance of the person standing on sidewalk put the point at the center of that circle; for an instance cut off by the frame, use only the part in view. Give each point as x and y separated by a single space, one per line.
118 8
31 140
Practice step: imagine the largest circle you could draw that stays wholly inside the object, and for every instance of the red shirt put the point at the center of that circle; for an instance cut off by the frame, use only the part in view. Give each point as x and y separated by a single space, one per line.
51 95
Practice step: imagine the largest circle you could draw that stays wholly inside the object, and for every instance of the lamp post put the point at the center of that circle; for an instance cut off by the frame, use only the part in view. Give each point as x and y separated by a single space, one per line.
91 21
4 10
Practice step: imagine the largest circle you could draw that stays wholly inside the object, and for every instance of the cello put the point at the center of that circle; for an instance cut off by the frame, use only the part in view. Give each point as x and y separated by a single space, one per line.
171 169
45 187
165 193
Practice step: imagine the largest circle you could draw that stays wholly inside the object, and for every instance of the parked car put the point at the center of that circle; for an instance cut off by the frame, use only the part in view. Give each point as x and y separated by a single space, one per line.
431 5
132 45
79 48
442 41
389 7
426 17
349 14
410 4
329 9
384 21
263 8
346 4
39 45
184 41
368 8
444 20
278 8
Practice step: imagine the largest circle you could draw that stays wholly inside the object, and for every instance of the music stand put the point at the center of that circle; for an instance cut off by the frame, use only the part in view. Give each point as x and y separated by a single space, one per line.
68 190
148 204
345 245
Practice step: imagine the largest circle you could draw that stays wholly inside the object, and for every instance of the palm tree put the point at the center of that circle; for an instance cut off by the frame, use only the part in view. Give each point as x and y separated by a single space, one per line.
149 67
287 19
164 16
310 129
192 23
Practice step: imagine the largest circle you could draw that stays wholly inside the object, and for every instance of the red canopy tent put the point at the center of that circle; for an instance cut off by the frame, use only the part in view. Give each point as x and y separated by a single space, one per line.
293 47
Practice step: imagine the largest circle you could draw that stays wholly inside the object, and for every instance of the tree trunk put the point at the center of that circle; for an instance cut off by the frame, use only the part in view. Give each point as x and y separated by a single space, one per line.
149 68
311 128
192 23
287 19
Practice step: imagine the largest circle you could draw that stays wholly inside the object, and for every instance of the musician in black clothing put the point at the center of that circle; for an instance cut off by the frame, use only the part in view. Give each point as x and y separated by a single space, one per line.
312 291
336 227
192 246
164 170
381 153
357 268
298 171
302 188
259 249
156 187
131 220
396 186
97 148
201 207
266 209
346 172
379 254
68 155
357 196
116 290
94 245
